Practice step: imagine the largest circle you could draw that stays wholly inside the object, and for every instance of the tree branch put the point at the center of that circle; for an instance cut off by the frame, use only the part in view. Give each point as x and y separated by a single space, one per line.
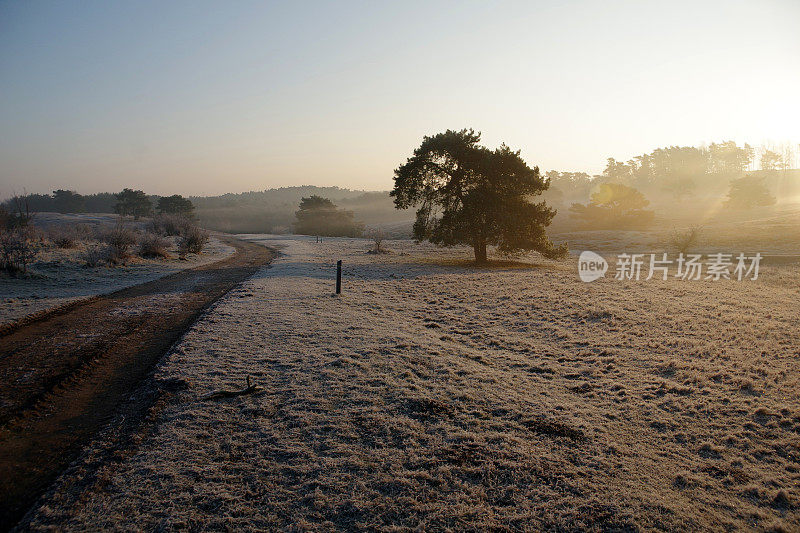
250 389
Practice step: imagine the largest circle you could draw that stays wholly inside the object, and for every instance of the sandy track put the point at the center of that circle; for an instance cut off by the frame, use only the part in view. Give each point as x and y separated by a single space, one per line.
62 377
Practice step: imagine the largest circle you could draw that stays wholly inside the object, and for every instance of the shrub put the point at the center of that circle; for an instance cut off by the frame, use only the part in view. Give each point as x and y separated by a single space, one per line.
95 255
152 245
21 215
120 239
684 241
95 233
170 225
18 249
64 241
63 237
193 240
377 236
84 232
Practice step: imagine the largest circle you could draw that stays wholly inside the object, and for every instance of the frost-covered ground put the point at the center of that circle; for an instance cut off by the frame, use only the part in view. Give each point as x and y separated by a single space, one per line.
436 395
60 276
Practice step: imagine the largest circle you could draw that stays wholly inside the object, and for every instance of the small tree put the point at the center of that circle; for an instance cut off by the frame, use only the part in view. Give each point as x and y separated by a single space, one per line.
377 235
18 239
133 203
319 216
193 241
748 192
468 194
120 239
685 241
616 206
176 205
169 225
21 214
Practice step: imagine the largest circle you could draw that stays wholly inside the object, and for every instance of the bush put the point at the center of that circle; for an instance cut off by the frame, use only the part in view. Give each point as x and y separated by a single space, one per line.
377 236
18 249
95 255
84 232
193 240
152 245
684 241
64 241
63 237
120 239
169 225
20 216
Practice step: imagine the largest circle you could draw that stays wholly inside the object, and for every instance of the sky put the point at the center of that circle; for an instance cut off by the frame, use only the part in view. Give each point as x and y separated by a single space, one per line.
203 98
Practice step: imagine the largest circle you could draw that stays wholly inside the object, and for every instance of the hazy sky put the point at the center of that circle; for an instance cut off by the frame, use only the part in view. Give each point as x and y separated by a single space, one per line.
210 97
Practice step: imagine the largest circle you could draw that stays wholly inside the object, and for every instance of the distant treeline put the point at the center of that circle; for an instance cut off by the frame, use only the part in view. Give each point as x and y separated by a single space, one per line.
273 210
63 201
677 172
128 202
663 176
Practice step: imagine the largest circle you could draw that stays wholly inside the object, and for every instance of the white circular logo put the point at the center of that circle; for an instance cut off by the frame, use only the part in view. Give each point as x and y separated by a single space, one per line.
591 266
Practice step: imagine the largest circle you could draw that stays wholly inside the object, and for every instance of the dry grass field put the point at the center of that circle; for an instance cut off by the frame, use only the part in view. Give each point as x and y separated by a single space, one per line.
611 343
432 395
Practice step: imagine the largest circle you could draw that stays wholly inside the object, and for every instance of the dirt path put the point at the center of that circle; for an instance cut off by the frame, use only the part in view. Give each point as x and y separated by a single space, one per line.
62 377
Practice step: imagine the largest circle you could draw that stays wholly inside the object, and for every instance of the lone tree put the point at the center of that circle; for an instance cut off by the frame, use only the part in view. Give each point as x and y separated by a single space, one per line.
133 203
469 194
176 205
319 216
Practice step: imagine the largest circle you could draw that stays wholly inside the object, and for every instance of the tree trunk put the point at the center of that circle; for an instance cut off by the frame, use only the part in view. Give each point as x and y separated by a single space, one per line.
479 246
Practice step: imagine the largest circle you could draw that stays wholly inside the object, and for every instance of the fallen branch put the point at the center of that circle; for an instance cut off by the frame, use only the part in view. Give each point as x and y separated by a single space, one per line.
250 389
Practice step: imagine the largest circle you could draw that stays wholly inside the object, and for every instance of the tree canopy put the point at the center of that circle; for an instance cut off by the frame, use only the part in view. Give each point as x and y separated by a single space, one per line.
320 216
133 203
68 202
175 205
616 206
748 192
469 194
315 202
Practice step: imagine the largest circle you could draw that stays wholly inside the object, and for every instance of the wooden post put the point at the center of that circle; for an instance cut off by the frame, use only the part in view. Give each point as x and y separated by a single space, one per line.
339 276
